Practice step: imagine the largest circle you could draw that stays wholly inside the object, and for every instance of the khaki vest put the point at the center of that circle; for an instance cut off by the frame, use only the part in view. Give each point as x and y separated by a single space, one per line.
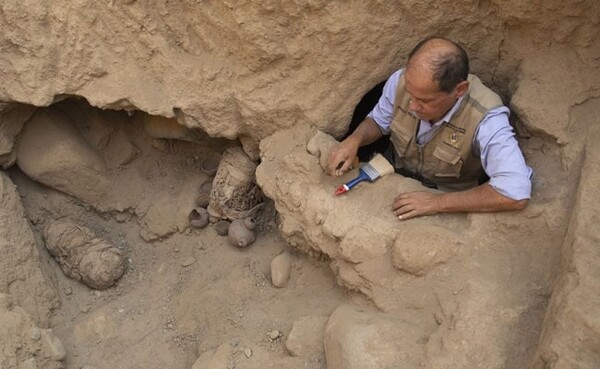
446 159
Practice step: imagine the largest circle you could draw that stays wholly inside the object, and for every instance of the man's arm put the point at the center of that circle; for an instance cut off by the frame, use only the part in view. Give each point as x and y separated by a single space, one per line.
509 187
482 198
342 155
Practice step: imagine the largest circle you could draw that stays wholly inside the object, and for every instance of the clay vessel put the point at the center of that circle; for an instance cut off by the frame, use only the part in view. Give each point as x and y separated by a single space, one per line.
198 218
210 164
241 232
222 227
203 200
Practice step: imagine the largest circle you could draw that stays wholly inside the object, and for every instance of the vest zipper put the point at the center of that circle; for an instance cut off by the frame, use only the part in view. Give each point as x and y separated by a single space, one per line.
420 163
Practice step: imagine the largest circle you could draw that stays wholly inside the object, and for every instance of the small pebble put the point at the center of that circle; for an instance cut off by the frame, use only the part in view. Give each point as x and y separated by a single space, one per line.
273 335
248 352
68 291
188 261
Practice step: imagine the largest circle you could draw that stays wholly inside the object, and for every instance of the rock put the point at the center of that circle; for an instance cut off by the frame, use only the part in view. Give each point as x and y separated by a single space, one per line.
188 261
274 334
83 256
247 352
52 151
361 338
281 266
306 337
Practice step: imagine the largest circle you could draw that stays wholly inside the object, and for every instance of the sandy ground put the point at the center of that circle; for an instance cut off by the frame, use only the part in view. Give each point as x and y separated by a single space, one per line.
186 295
183 294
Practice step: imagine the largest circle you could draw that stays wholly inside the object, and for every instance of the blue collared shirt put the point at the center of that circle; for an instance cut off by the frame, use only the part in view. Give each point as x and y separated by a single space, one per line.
494 142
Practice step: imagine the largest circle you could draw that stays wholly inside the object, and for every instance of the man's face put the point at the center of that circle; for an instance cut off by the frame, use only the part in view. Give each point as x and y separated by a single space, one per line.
427 101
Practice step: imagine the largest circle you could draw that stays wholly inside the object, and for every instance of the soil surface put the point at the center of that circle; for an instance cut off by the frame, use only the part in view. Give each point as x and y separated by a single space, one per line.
182 295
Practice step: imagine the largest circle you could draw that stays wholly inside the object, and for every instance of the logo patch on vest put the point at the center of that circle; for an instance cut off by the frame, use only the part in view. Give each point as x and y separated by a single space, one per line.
454 135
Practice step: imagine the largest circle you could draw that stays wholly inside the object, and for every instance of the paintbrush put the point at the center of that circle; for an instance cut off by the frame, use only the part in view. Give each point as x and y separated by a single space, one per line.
377 167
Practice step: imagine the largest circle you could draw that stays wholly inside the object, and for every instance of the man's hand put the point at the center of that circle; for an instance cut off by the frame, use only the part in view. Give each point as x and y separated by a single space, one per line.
483 198
414 204
342 156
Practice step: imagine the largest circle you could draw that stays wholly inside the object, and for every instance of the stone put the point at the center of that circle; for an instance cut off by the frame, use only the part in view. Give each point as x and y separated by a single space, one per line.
306 337
362 338
281 267
52 151
188 261
274 334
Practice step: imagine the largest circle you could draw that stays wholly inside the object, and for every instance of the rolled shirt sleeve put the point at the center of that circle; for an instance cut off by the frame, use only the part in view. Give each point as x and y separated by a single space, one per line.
383 112
501 157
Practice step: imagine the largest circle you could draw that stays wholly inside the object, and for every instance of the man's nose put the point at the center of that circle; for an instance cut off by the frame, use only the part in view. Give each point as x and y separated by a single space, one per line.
414 106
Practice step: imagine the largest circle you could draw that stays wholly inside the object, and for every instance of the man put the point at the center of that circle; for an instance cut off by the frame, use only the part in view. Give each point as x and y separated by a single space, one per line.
449 131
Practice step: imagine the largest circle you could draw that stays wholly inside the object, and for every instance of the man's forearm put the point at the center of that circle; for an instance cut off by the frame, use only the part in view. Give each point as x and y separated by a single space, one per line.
479 199
367 132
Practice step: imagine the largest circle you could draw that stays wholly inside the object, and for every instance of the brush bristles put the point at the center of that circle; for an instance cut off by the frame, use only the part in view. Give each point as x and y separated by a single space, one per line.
379 166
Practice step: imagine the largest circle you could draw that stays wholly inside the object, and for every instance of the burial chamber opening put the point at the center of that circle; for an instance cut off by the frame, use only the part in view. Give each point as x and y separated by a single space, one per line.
116 161
126 183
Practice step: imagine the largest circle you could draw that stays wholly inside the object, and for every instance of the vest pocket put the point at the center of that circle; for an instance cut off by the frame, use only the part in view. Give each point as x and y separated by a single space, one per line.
449 162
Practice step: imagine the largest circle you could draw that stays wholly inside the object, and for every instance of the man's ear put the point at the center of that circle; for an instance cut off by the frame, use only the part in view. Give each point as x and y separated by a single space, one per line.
462 88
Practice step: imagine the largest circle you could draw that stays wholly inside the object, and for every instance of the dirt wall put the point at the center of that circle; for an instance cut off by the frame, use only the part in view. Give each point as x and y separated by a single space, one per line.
276 72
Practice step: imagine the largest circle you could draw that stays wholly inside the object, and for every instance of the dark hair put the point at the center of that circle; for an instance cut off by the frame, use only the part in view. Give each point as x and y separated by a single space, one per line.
449 68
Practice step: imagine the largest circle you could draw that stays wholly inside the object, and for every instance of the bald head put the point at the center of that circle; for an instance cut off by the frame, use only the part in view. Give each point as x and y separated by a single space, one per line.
445 60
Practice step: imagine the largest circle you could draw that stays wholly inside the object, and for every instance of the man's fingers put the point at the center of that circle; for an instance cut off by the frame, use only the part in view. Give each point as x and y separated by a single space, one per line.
411 214
403 209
